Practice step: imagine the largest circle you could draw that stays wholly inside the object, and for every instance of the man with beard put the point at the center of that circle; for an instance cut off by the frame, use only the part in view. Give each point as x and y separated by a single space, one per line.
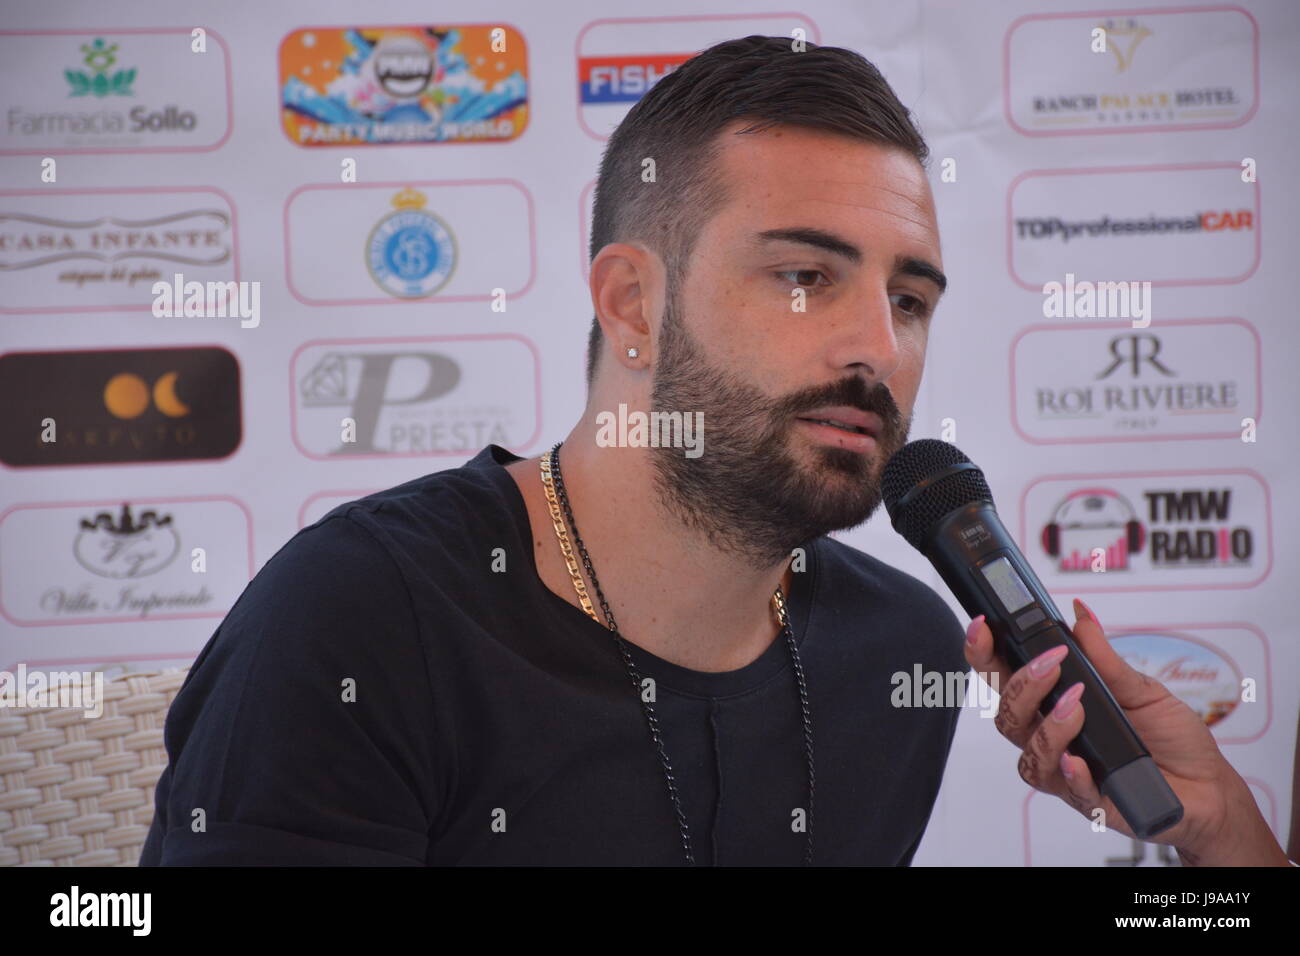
627 655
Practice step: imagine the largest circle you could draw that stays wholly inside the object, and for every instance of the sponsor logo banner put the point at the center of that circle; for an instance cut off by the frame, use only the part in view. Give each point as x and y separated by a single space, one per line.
619 59
439 395
1192 224
119 406
362 86
1188 378
1148 531
103 249
392 243
142 559
135 91
1148 71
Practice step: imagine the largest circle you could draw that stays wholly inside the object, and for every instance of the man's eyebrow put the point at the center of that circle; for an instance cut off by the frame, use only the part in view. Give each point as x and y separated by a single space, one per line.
912 266
828 241
813 237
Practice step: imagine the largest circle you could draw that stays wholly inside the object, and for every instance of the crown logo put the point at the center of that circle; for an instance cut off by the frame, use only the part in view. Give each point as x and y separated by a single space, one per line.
126 525
410 198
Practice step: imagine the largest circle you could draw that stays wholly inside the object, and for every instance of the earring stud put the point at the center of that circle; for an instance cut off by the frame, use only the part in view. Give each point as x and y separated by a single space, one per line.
632 351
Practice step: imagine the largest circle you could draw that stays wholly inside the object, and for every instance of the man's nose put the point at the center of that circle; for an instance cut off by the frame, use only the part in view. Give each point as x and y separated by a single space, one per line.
865 337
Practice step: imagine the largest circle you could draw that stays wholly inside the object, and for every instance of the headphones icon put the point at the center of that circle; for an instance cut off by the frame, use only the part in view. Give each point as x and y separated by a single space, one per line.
1092 507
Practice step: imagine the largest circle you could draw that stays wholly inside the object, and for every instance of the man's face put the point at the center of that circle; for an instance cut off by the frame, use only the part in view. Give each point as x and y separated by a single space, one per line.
852 224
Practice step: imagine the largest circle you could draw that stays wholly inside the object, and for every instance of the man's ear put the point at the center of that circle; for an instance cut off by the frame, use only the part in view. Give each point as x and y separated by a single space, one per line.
626 289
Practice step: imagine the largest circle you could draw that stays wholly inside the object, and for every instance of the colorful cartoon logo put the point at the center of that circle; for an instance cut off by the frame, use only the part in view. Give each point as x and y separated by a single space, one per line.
368 85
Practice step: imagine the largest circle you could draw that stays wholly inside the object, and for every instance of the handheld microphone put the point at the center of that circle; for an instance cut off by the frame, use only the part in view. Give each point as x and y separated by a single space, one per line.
939 500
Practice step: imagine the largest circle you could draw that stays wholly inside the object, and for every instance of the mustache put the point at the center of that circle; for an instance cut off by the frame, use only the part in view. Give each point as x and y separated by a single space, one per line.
852 393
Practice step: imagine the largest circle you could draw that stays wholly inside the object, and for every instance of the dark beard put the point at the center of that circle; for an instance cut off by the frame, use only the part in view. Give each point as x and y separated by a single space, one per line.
746 492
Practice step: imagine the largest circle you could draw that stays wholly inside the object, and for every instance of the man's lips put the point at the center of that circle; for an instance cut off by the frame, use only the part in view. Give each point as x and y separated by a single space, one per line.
846 417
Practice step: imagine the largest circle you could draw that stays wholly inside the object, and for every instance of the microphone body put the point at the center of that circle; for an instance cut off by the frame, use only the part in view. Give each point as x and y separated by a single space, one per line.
949 516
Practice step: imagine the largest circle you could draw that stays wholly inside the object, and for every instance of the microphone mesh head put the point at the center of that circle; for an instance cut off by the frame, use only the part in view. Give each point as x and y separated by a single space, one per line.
915 462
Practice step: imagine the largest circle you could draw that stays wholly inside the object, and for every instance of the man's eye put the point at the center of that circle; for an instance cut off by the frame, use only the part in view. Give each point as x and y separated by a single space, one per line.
802 277
919 310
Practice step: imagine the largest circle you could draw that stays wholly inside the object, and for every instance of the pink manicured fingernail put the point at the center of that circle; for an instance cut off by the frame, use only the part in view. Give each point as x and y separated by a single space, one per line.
1088 611
1065 767
1045 661
972 627
1069 700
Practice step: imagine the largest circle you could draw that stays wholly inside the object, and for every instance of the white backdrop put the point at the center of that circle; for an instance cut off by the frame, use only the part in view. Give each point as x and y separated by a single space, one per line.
1095 432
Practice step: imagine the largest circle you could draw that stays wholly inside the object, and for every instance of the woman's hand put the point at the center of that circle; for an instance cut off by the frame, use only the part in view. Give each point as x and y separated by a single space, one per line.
1221 824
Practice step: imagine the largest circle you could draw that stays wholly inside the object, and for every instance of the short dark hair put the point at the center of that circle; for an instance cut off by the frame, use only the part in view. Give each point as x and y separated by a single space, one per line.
677 122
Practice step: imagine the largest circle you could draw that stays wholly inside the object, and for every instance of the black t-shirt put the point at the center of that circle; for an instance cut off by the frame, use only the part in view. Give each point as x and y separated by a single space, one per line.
383 692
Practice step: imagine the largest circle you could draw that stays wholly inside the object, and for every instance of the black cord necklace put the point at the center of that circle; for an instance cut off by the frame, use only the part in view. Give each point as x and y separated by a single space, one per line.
635 676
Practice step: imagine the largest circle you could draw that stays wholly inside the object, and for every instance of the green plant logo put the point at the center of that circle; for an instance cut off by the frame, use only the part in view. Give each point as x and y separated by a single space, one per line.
99 82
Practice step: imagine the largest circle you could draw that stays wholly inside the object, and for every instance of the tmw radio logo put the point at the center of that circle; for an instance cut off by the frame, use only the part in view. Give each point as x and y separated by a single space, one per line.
1183 528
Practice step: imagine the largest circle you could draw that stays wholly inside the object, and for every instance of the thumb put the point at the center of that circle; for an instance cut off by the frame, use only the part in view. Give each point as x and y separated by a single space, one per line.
1131 688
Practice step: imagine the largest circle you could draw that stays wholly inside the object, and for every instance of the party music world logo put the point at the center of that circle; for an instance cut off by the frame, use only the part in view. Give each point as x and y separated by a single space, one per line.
376 85
117 406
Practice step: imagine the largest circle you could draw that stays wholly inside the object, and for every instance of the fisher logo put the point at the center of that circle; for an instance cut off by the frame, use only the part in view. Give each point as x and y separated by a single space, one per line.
128 547
623 79
429 396
619 60
1154 530
411 253
1194 378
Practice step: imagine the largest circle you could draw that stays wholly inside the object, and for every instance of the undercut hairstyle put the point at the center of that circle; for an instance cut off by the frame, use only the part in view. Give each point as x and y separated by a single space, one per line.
761 79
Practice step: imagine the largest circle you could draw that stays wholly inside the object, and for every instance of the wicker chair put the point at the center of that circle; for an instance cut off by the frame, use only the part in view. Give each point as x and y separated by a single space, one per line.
78 791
